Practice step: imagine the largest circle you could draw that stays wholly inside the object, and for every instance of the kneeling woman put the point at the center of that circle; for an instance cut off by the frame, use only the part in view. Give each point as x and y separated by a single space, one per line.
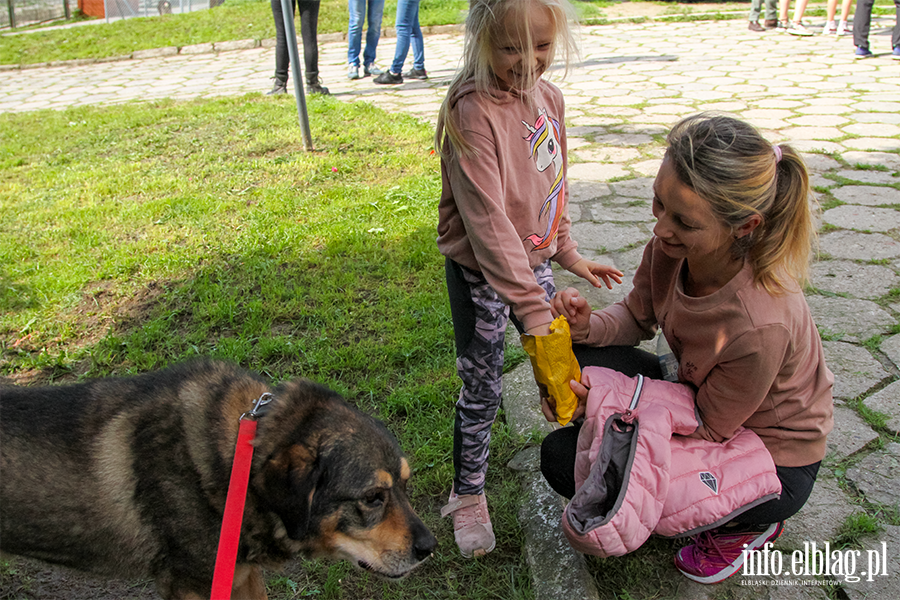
722 277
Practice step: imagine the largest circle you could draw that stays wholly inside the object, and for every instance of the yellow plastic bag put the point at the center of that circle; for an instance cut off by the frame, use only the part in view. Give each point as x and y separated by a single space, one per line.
554 365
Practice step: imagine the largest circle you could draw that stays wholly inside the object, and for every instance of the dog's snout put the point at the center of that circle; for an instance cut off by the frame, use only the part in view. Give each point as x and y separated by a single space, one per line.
425 544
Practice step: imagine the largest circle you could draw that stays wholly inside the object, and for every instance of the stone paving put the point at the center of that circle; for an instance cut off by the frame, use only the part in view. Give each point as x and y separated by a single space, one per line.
632 82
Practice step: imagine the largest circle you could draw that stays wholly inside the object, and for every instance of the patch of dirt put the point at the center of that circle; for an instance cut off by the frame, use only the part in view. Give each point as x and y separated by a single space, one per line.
26 579
101 308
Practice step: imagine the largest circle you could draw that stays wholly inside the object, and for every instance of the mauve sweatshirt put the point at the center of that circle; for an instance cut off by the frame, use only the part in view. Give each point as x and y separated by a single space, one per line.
755 359
504 211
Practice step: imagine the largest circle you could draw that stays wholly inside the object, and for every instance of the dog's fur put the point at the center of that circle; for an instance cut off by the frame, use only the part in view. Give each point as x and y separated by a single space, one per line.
128 477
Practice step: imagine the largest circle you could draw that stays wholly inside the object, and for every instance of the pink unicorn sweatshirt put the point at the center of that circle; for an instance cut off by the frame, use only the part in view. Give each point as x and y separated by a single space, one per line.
504 211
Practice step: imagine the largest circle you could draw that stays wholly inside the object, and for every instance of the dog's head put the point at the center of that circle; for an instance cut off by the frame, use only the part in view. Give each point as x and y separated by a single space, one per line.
337 479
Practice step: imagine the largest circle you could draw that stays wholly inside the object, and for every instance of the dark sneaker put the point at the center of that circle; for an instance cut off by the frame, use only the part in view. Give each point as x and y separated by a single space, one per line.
896 53
754 26
388 78
316 87
863 53
416 74
719 553
371 70
770 23
280 88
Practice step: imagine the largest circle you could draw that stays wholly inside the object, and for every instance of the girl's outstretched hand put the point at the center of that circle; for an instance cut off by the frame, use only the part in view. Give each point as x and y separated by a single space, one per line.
576 310
593 272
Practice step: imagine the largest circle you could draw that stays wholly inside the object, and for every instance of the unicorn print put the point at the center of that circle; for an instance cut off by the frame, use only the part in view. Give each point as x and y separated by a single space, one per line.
546 152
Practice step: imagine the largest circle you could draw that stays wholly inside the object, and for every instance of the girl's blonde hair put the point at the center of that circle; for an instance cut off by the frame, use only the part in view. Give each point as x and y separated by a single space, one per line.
483 24
729 164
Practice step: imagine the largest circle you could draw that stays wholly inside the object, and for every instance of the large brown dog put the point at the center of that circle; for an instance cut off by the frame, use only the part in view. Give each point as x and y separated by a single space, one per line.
128 477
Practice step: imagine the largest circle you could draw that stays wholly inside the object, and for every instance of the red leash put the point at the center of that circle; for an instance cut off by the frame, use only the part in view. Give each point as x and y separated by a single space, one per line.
223 577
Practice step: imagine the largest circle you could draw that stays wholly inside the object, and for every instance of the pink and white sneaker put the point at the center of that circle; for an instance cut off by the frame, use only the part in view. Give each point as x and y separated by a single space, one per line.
718 554
471 524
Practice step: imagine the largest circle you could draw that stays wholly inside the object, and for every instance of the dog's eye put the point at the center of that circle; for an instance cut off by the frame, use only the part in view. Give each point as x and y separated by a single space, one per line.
375 499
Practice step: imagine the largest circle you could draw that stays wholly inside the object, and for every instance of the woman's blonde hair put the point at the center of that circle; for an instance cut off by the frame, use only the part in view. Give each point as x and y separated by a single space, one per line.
483 24
729 164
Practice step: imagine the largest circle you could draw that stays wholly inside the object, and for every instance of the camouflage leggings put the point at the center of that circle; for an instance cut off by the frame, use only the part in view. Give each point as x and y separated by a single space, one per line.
479 324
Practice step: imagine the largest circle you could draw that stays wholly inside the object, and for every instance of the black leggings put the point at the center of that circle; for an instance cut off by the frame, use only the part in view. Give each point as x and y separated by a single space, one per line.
309 26
558 448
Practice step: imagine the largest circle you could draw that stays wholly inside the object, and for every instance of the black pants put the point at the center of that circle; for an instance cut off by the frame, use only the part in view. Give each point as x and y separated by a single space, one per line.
558 448
309 26
862 21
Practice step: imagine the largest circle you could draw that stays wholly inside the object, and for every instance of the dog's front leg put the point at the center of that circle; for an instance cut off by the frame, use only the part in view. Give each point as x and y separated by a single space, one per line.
248 583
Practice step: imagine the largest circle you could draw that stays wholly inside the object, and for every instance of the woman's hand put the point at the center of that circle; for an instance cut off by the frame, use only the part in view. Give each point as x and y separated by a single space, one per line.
576 310
580 391
593 272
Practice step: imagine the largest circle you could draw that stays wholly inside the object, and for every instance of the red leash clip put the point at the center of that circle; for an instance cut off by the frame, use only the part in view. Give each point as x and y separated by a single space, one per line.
230 536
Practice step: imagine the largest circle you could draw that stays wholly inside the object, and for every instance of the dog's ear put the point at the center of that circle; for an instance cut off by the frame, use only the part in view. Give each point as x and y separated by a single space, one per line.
290 479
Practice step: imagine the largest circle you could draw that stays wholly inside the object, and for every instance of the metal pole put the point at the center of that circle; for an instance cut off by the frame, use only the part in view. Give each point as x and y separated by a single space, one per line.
12 14
287 9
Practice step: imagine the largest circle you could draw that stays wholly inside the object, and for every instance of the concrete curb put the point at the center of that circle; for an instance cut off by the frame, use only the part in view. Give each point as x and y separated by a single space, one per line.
557 571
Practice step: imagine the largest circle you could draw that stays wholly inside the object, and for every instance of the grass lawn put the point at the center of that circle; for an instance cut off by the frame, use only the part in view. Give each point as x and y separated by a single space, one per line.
139 235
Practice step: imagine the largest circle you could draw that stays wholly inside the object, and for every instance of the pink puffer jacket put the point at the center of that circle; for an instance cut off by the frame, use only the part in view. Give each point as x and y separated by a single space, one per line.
636 474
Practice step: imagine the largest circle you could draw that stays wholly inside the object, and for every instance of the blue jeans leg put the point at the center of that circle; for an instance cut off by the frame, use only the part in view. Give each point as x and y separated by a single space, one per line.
407 21
373 33
418 44
357 10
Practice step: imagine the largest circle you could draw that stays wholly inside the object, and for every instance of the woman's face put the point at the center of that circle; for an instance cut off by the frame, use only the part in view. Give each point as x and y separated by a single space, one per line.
685 223
509 55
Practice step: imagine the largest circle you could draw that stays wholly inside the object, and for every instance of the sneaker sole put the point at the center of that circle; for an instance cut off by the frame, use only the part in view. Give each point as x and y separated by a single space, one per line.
769 535
480 552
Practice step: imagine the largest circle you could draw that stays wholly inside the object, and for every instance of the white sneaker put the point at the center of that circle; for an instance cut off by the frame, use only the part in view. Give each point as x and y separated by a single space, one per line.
352 72
843 29
797 28
830 28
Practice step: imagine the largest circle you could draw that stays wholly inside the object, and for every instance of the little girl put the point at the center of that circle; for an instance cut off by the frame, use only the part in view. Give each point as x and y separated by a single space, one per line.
502 218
